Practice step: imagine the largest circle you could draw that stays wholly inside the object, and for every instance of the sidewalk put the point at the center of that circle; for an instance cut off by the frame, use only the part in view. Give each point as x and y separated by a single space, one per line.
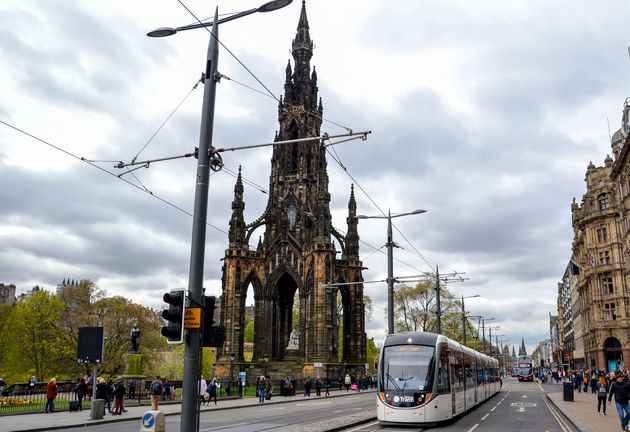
64 419
582 412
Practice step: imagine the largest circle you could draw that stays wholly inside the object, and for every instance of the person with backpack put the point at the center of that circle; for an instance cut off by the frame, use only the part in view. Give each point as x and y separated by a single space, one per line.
602 392
318 386
156 392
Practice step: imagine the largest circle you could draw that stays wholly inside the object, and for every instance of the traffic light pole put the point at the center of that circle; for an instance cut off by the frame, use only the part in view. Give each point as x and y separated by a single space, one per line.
190 386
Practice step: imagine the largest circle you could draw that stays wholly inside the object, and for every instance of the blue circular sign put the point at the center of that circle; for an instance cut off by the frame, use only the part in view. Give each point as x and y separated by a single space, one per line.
148 420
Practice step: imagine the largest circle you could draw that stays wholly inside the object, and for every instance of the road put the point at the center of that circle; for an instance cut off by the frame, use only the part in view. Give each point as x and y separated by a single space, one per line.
320 413
518 407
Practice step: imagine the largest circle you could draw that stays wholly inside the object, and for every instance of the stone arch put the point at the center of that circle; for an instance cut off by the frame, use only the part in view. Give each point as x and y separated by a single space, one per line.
346 320
613 353
253 279
282 286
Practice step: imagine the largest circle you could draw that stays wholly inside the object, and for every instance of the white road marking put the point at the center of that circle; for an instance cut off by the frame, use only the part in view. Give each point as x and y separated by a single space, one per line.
493 409
473 428
485 417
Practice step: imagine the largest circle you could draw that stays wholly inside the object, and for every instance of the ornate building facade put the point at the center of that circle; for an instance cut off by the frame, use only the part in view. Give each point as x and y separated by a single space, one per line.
602 284
296 258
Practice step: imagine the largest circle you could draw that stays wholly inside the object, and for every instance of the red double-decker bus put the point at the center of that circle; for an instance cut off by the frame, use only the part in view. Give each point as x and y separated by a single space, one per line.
525 368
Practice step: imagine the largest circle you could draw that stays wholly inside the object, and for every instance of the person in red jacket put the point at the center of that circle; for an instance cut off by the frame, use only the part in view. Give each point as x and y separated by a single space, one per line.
51 394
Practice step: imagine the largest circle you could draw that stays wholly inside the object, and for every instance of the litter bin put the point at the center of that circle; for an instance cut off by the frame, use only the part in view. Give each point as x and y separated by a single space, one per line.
568 392
98 409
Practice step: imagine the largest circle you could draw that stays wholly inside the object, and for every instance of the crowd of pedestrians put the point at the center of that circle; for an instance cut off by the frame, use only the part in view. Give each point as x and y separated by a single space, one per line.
606 387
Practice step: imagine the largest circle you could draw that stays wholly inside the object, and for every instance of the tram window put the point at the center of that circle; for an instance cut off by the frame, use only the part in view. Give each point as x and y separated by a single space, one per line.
443 383
457 376
408 367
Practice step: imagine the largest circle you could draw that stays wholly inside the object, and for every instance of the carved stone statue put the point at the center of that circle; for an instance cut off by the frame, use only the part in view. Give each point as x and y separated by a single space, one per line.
135 340
294 340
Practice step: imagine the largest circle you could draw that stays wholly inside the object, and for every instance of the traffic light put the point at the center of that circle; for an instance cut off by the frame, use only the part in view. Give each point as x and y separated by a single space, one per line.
375 364
174 315
213 336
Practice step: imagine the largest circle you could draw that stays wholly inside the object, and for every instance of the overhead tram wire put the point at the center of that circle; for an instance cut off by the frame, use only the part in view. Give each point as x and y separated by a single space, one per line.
92 164
167 119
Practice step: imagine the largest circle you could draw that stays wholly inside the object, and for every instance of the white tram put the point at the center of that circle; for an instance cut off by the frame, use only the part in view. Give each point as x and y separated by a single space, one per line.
428 378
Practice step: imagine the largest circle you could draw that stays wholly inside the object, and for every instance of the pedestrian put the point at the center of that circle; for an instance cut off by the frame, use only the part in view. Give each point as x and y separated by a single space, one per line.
260 389
602 391
348 382
594 380
81 389
307 386
51 394
119 394
169 389
585 383
268 388
110 394
202 389
2 384
155 392
288 387
132 389
327 386
101 390
318 386
31 385
212 390
620 389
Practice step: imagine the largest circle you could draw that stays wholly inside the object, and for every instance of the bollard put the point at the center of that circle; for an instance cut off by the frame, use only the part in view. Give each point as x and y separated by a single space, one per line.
153 421
97 410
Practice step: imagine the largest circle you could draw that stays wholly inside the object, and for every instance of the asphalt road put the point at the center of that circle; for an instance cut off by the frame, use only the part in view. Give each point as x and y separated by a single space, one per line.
518 407
265 417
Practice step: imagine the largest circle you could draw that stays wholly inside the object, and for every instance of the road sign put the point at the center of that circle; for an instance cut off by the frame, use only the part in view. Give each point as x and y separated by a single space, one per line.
318 364
192 318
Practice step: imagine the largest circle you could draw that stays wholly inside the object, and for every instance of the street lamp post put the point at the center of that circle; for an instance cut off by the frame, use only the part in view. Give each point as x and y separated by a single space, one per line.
390 262
464 315
207 159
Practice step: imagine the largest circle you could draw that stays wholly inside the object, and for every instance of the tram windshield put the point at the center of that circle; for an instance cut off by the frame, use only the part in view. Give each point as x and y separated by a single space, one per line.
407 367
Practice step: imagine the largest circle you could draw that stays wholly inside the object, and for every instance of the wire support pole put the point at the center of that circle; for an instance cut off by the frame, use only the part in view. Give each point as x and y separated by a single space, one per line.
390 275
195 282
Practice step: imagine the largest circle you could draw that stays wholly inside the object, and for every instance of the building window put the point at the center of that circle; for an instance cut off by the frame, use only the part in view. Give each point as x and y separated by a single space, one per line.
609 312
602 235
607 285
604 257
604 202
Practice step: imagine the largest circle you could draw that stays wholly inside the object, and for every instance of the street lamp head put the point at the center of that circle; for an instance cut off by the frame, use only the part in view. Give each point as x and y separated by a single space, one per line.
361 217
162 32
418 211
274 5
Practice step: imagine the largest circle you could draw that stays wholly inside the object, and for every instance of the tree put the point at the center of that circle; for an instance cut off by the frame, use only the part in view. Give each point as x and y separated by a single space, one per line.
415 310
37 343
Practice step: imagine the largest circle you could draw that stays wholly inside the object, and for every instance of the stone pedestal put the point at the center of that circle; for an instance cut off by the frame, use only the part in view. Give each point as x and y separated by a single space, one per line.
133 371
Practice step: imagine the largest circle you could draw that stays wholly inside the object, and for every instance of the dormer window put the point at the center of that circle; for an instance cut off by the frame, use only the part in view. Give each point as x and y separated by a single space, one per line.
604 201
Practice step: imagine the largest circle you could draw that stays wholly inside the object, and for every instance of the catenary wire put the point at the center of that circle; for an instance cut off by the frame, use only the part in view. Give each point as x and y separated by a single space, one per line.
92 164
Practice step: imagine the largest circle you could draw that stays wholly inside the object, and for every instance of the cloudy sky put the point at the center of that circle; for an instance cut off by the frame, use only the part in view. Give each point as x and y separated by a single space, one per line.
484 113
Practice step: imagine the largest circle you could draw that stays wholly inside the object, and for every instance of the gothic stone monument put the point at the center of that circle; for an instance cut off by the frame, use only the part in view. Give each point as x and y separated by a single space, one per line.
296 253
